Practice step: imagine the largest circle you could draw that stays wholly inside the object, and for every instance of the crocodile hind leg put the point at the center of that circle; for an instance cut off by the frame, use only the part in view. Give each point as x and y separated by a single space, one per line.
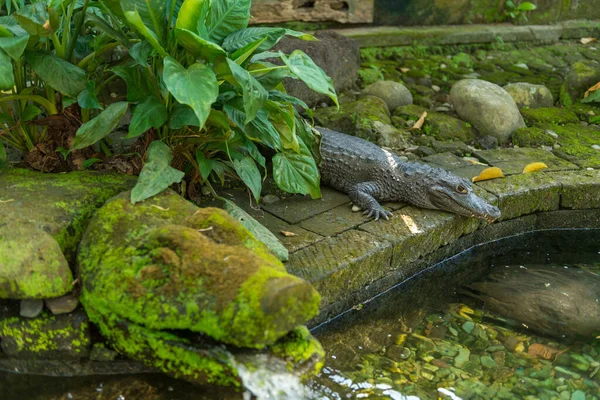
363 195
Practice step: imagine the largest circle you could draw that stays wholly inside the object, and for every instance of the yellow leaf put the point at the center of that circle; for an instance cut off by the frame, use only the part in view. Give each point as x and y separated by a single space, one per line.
489 173
536 166
288 234
592 89
420 122
404 70
587 40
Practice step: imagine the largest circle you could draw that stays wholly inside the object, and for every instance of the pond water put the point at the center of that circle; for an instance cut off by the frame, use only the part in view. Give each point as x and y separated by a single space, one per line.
435 336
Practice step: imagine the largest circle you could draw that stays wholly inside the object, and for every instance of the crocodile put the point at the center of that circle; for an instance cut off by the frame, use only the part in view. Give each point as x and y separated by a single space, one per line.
370 174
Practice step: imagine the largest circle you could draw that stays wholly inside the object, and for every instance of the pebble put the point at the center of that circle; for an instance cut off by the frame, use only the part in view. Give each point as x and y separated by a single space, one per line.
595 147
522 65
552 133
62 305
589 169
31 308
355 208
270 199
443 109
436 88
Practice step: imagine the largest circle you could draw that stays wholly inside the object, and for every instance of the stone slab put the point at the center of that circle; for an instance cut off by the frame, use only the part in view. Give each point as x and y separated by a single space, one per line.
580 190
335 221
298 208
340 265
524 194
569 219
512 161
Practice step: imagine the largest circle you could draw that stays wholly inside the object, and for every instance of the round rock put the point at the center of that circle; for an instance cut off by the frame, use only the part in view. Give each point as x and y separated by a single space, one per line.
393 93
530 95
486 106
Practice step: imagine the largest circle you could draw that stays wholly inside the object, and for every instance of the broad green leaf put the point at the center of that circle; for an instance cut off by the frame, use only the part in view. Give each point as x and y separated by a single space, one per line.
14 46
181 116
284 120
243 37
99 127
310 73
3 157
276 95
226 17
30 112
9 27
140 52
526 6
87 98
262 130
310 137
197 86
248 171
192 16
152 14
57 73
259 231
7 79
90 161
35 19
6 119
218 119
207 166
240 56
254 93
251 148
200 48
157 174
134 19
114 6
138 80
150 113
297 172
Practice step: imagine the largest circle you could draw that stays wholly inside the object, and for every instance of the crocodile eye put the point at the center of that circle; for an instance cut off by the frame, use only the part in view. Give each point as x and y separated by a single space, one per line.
461 189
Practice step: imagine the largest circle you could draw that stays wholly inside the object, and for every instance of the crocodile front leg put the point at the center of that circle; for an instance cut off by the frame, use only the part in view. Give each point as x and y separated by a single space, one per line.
363 195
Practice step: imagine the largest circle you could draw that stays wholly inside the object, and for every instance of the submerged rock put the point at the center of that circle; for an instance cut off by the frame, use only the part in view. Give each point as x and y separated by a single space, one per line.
393 93
530 95
163 280
553 301
488 107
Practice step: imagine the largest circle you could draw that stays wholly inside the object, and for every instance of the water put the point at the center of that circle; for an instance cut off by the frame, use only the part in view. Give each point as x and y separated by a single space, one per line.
428 338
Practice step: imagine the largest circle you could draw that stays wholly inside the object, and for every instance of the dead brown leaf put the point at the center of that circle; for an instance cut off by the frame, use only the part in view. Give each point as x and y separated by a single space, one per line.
544 351
288 234
404 70
592 89
587 40
420 122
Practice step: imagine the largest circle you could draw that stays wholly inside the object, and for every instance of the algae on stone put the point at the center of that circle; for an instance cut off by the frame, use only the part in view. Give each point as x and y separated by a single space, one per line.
532 137
438 125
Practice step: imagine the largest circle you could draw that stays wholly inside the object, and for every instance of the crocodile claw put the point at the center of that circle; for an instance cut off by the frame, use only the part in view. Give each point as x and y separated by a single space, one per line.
378 213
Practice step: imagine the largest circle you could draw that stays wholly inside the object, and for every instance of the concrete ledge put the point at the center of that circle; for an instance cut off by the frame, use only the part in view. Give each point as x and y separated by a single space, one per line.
469 34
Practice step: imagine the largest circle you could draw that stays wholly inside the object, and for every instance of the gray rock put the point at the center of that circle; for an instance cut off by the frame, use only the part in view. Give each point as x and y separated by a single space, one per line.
270 199
488 107
424 151
337 55
62 305
582 75
393 93
530 95
31 308
488 142
390 137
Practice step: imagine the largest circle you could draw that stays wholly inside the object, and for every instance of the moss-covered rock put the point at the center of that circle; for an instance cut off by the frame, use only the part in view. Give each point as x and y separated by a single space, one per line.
587 112
551 115
59 204
532 137
32 265
438 125
582 75
576 143
46 337
164 265
528 95
355 118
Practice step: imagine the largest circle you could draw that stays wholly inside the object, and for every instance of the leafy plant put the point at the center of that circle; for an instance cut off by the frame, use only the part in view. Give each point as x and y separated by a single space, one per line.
207 86
518 12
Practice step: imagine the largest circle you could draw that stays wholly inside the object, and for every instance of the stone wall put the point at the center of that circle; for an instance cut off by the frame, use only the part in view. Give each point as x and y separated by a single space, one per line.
349 11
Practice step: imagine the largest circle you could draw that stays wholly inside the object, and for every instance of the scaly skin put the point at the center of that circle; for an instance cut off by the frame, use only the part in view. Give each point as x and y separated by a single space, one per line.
370 174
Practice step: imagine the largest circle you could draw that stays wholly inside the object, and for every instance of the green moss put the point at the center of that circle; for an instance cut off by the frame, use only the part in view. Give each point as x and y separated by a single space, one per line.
553 115
532 137
438 125
299 346
576 143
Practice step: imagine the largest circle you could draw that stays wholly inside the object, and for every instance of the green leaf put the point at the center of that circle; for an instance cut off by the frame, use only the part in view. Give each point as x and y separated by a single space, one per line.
135 20
150 113
30 112
197 86
259 231
240 56
208 165
6 119
254 93
248 171
276 95
305 69
140 52
14 46
284 120
200 48
594 96
90 161
35 19
526 6
243 37
226 17
152 14
7 79
87 98
57 73
181 116
192 16
9 27
99 127
157 174
138 80
297 172
3 158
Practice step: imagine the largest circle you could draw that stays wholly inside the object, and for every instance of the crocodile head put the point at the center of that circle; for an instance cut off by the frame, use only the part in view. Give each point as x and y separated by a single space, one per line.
442 190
